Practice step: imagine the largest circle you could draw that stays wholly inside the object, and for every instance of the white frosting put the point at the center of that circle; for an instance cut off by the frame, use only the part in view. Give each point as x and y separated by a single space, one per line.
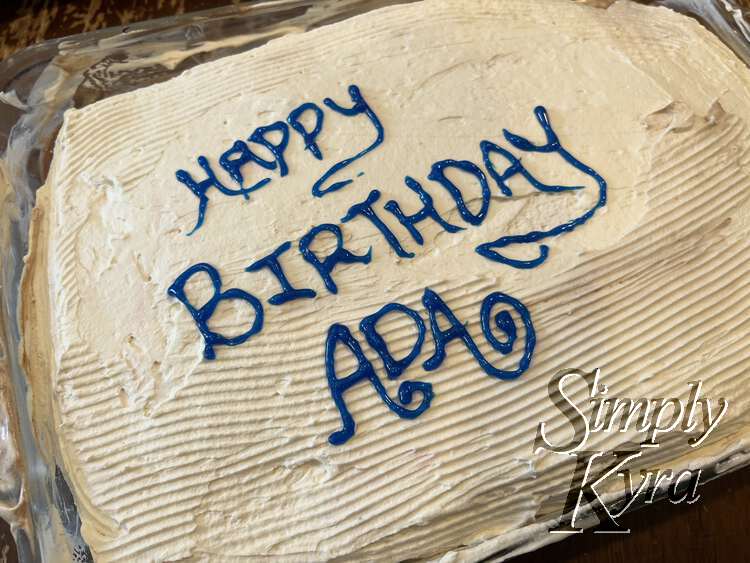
171 456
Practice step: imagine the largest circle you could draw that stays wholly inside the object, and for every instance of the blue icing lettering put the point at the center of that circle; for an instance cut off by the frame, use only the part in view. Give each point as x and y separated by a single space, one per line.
259 136
393 367
435 305
199 189
201 315
491 250
340 255
288 293
437 174
308 137
240 154
428 211
365 209
365 373
498 311
504 322
235 158
515 167
360 106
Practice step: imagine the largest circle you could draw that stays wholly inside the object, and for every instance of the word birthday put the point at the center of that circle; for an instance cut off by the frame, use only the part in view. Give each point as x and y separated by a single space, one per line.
646 416
274 140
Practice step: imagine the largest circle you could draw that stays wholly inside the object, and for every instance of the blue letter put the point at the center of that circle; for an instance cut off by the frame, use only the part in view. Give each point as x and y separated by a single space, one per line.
308 136
434 305
365 209
428 211
203 314
515 167
360 106
325 267
272 263
393 367
492 250
437 174
277 150
365 372
200 188
233 166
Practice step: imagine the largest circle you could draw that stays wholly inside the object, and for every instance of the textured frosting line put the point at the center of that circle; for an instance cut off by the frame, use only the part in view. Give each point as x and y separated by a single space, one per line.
172 457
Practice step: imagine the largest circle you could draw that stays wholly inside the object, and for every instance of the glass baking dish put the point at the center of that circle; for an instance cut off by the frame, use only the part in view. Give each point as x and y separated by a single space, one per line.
37 85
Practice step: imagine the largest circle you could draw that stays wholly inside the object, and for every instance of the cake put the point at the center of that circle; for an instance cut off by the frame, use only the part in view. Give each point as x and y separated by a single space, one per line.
307 302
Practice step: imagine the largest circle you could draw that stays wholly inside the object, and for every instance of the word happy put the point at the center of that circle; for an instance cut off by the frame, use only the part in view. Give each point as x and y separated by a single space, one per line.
274 139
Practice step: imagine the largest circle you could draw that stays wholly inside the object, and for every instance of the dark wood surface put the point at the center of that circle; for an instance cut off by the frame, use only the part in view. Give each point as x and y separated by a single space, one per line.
713 530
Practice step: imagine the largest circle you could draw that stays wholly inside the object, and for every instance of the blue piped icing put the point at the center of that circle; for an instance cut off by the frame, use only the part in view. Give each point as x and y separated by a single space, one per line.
365 209
435 305
393 367
499 313
491 249
288 293
340 255
241 154
360 106
366 373
437 174
308 137
202 314
260 137
428 211
199 189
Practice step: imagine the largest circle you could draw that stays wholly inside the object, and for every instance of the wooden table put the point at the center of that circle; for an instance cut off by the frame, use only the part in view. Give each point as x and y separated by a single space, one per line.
713 530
